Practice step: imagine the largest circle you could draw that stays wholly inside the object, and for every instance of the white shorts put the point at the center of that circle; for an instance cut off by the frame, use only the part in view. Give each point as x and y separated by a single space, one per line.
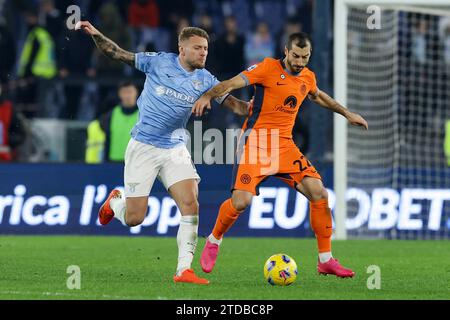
144 163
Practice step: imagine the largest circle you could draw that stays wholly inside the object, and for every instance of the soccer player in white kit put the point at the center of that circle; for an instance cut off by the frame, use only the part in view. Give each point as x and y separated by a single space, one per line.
157 145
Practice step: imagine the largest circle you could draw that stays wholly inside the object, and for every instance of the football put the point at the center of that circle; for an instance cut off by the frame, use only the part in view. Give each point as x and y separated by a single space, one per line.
280 269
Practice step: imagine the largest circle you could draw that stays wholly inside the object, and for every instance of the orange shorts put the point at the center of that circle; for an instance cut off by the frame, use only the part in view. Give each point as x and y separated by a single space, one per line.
253 165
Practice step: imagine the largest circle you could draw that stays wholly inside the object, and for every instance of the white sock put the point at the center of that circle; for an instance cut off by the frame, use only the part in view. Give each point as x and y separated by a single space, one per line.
187 242
213 239
325 256
119 207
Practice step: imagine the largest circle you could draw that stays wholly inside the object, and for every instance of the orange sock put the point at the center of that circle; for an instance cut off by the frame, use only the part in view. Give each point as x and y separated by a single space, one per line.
225 219
321 223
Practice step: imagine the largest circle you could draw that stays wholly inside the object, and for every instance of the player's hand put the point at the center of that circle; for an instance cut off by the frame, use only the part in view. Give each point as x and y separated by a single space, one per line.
199 106
248 107
356 120
87 27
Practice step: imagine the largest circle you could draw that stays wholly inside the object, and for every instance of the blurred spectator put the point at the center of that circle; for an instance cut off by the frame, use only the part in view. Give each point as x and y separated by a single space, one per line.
12 131
229 44
37 65
143 13
51 18
206 23
8 50
173 11
419 42
75 65
143 18
447 141
182 23
447 45
291 26
109 135
259 45
270 12
109 70
114 28
304 15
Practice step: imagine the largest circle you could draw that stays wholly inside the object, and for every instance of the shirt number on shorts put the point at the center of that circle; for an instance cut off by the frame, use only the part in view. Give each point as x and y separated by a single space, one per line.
303 163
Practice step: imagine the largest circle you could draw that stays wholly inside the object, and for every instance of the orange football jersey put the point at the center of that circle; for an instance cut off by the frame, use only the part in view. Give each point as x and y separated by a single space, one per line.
277 98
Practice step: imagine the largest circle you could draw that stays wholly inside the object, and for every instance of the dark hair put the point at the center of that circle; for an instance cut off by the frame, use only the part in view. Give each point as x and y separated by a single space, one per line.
300 39
126 83
188 32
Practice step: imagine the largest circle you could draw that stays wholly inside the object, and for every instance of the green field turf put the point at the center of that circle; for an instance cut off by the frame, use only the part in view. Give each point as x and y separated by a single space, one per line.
142 268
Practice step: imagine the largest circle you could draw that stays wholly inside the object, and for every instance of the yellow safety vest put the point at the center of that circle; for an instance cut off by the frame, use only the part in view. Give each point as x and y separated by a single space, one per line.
95 146
44 65
447 141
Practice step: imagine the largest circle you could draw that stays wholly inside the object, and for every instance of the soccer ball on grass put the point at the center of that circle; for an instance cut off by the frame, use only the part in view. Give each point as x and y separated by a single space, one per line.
280 269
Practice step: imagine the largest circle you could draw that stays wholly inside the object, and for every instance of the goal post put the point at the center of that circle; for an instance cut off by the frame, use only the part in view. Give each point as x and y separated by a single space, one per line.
375 74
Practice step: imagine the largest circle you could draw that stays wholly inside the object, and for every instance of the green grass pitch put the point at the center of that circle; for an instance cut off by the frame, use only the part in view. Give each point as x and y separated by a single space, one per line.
33 267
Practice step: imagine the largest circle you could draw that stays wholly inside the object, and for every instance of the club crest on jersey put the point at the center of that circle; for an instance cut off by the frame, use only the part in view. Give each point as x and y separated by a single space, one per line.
252 67
282 76
303 88
245 178
132 187
197 84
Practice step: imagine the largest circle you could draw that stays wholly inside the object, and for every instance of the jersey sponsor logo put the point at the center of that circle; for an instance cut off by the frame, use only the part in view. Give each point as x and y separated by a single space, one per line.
289 105
245 178
161 90
151 54
291 101
252 67
280 83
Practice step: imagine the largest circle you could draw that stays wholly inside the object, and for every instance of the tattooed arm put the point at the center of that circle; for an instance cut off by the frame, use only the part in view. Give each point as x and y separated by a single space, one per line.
108 47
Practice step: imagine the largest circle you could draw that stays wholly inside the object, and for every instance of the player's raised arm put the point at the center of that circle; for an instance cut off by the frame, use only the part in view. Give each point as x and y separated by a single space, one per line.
219 90
324 100
108 47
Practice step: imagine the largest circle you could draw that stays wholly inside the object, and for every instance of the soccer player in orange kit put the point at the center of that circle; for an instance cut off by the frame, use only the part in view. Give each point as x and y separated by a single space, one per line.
266 147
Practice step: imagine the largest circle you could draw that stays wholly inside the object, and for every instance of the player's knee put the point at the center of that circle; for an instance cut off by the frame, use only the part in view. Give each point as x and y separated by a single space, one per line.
133 220
319 194
241 203
189 206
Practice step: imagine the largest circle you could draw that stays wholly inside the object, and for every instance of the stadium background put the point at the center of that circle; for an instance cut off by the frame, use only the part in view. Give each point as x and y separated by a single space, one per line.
55 110
47 189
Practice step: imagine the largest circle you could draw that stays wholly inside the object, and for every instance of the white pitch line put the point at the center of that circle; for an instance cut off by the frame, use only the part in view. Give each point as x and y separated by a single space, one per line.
46 293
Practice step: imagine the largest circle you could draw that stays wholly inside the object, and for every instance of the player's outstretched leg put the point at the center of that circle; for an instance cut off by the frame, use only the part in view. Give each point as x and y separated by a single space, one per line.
321 223
106 212
225 219
185 194
187 242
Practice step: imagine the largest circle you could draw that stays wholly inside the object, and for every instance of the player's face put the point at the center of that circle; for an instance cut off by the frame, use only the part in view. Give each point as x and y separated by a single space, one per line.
297 58
194 51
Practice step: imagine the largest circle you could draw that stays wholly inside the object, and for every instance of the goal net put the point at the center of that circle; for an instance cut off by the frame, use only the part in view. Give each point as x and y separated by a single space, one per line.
398 77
